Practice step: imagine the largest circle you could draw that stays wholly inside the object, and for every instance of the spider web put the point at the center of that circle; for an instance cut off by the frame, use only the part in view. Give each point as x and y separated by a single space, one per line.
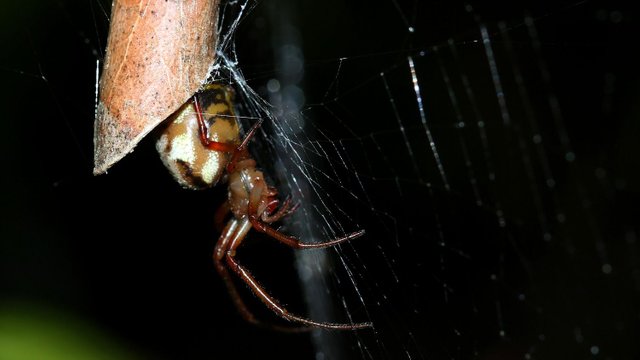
488 152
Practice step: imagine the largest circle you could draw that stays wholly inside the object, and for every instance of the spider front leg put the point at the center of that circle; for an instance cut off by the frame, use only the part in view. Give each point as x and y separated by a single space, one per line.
260 221
238 152
233 236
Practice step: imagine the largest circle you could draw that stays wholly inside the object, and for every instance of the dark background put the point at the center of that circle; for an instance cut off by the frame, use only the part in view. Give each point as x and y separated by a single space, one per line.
128 253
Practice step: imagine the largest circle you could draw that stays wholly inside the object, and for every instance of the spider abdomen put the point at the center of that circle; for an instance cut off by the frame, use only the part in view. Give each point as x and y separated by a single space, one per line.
192 163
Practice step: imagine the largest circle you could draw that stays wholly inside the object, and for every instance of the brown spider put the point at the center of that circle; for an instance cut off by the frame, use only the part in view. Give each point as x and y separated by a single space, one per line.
199 148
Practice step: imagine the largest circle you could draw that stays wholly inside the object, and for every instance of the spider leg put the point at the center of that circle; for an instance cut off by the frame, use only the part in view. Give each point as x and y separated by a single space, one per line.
241 150
231 238
204 133
295 243
231 232
250 134
283 211
279 309
238 151
220 146
267 299
255 196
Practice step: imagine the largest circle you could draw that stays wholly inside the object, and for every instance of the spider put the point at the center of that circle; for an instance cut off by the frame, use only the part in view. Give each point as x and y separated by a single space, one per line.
201 146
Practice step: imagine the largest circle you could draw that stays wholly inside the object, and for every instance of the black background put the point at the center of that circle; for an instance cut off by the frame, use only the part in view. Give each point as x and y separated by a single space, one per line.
130 251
